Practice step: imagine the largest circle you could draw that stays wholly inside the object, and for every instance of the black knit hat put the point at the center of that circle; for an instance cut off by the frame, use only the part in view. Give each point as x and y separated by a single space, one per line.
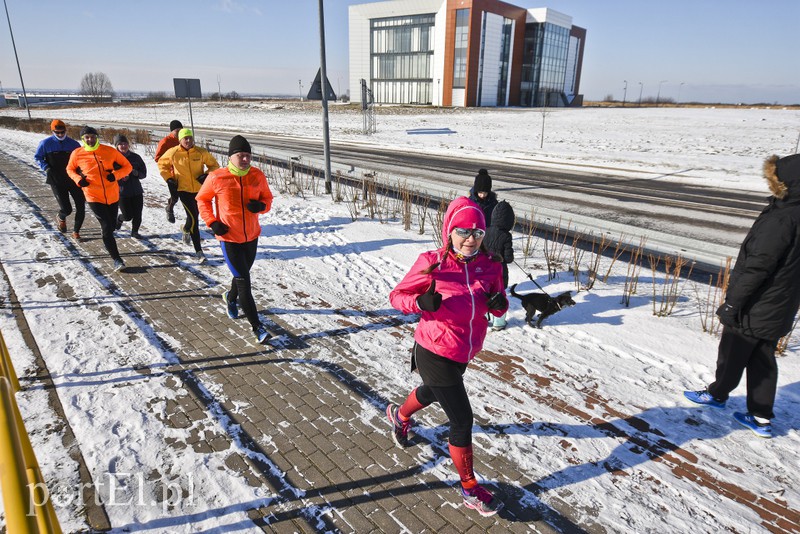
119 138
175 125
238 144
88 130
483 182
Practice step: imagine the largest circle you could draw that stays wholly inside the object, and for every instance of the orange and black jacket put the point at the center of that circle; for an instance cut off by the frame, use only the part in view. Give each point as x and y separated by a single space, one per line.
231 194
95 166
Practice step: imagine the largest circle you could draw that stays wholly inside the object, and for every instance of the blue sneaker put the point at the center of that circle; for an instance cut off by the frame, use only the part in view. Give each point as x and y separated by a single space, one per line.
232 308
762 430
704 398
261 333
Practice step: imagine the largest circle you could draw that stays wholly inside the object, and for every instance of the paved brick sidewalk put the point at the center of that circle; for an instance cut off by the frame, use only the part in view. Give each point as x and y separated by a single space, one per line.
320 456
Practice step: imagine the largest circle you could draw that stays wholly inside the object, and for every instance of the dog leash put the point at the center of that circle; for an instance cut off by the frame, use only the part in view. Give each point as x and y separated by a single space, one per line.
532 280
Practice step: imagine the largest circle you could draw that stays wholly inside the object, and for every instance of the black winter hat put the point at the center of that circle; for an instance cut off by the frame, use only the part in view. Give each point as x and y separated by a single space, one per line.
119 138
483 182
175 125
238 144
88 130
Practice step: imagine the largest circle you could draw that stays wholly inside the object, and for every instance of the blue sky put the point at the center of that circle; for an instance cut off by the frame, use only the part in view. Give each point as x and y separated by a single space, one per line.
729 51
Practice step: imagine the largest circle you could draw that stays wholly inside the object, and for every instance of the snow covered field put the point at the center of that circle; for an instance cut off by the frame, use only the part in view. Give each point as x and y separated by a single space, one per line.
637 363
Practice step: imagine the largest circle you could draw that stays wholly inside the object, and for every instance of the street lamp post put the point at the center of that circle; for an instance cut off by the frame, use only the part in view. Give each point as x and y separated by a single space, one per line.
624 92
300 91
658 95
13 44
679 92
640 93
439 90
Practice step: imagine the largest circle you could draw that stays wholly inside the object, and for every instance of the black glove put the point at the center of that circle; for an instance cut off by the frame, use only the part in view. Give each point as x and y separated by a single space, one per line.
117 166
202 178
49 173
497 301
83 181
219 228
256 205
172 182
79 172
729 316
430 301
110 177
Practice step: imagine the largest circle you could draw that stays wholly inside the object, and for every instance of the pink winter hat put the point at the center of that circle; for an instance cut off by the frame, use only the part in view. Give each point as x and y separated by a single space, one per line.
462 213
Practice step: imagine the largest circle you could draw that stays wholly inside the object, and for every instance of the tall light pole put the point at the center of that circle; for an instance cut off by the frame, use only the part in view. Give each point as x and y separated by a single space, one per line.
219 88
300 90
679 92
640 93
624 92
24 94
324 80
658 95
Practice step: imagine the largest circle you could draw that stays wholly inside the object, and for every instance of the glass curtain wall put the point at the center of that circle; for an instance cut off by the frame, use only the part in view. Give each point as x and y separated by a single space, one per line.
402 59
544 65
460 55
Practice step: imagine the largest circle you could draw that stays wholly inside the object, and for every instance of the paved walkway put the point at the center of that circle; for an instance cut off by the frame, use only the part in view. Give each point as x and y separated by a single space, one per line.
326 458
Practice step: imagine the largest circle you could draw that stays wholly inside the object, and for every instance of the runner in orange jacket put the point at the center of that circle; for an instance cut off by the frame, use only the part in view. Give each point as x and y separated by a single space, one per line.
240 193
96 168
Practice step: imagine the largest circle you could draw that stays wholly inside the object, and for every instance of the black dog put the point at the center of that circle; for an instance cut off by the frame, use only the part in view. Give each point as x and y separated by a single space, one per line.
543 303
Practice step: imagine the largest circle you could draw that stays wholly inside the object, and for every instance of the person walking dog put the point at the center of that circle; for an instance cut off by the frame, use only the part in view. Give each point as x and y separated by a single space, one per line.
453 289
761 302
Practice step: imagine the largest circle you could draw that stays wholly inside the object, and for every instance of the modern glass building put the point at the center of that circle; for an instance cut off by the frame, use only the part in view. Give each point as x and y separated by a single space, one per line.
465 53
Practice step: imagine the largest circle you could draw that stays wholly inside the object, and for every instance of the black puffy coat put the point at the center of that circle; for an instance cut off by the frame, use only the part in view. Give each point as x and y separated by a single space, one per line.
130 186
498 235
765 282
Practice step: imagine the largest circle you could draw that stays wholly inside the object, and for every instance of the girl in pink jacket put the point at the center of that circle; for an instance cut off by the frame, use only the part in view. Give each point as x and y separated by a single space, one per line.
453 289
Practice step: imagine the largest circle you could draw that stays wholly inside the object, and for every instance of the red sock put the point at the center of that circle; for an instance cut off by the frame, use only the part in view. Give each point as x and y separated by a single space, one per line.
462 459
410 406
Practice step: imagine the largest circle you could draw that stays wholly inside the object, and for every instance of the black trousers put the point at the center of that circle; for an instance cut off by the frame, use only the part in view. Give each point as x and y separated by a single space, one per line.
454 401
192 224
131 210
106 215
62 194
240 258
173 197
739 353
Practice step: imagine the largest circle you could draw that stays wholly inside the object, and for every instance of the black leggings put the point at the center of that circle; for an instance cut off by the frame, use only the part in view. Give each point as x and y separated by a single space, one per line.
173 196
452 398
62 194
131 209
192 217
106 215
240 257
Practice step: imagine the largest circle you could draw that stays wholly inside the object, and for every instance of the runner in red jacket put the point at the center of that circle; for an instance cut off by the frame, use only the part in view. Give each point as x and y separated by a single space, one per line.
240 194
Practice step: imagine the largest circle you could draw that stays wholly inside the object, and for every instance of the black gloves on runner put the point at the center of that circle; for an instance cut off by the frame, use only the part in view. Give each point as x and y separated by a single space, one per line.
219 228
430 301
202 178
256 205
110 177
497 301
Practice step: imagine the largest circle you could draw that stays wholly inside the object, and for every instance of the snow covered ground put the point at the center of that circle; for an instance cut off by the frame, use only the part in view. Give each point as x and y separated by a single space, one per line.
636 363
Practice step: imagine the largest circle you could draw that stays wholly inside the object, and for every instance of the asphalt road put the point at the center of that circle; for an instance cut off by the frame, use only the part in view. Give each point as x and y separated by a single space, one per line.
706 223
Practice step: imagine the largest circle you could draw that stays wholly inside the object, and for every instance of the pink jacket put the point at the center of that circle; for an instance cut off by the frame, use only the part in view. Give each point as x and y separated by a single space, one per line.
457 329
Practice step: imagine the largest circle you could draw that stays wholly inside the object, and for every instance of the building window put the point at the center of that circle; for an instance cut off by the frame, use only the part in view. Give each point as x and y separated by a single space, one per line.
401 59
460 53
544 65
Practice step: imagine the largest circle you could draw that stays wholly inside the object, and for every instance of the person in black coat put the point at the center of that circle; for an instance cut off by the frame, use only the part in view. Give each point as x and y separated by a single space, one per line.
131 194
761 301
499 242
482 194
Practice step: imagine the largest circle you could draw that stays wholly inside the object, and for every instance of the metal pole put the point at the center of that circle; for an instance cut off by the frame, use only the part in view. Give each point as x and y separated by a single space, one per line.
797 144
191 119
324 79
21 81
624 92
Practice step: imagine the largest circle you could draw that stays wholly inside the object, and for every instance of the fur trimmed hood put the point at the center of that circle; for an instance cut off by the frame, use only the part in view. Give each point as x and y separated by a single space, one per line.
783 175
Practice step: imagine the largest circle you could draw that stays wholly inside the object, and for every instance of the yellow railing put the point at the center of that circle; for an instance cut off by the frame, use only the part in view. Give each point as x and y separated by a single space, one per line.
28 508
